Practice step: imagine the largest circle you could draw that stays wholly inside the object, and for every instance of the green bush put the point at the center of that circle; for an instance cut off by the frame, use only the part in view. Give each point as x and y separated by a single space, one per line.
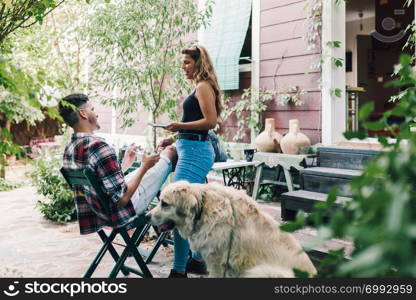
381 217
47 179
8 185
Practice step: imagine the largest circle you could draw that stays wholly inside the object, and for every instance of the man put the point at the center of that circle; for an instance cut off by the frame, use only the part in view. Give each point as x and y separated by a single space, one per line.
129 196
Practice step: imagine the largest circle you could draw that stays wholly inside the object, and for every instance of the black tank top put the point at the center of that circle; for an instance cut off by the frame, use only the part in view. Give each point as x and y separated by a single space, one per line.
192 112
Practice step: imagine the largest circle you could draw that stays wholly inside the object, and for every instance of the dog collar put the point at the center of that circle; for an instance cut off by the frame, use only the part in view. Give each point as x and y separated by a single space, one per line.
227 263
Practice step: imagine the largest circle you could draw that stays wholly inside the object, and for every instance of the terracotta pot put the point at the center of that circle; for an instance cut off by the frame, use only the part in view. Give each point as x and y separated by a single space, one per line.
294 141
269 139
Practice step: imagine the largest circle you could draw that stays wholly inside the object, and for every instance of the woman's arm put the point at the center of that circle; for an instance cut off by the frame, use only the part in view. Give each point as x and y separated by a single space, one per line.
206 99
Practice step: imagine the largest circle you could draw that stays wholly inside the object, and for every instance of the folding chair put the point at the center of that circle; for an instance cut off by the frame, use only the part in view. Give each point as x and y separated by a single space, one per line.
87 177
162 237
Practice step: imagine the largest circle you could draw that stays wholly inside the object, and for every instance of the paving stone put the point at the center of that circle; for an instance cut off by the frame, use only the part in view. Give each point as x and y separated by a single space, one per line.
34 247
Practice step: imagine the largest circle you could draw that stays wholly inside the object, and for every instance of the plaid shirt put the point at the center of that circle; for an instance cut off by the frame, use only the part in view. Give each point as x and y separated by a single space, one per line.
86 150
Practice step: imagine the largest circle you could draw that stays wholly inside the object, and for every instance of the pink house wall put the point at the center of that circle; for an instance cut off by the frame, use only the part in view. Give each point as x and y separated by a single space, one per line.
229 126
284 60
105 119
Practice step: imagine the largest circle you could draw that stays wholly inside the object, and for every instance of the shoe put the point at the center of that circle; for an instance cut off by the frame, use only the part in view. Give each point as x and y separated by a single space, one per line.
176 274
196 267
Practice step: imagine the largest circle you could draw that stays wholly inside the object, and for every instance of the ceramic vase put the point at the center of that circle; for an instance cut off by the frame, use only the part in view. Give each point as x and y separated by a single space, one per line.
269 139
294 142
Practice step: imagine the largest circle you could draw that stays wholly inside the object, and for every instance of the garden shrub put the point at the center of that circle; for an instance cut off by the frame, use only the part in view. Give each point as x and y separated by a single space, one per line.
6 185
49 182
381 217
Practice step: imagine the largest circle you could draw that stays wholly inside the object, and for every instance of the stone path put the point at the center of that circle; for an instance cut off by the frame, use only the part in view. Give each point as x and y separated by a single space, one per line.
34 247
31 246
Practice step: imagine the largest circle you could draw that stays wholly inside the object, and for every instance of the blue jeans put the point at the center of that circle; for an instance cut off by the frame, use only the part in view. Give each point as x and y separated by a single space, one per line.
195 159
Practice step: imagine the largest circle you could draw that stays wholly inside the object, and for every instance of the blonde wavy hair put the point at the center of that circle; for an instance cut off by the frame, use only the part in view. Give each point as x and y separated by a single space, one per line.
204 71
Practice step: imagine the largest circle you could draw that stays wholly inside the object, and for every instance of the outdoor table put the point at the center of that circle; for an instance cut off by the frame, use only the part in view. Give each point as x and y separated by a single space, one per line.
273 160
234 172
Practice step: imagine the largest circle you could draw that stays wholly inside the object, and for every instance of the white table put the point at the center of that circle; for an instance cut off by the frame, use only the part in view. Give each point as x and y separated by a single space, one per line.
234 172
273 160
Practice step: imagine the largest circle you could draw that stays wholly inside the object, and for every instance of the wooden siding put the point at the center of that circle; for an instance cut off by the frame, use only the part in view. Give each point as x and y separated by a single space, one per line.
282 13
309 83
229 126
282 32
270 4
285 61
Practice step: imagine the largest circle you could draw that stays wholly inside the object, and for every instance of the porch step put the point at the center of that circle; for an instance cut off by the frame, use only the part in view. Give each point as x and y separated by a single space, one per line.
304 200
345 158
321 179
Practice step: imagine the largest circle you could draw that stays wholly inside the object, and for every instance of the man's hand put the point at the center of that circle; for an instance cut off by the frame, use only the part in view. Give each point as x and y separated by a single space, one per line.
149 161
129 157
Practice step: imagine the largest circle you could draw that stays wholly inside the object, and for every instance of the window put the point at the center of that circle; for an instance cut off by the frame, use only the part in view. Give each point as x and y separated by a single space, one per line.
227 39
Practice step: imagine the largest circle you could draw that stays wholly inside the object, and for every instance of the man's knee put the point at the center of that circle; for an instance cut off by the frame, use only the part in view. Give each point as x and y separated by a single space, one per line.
171 154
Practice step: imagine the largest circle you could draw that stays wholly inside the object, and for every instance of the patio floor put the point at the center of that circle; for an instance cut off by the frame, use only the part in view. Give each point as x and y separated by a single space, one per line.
32 246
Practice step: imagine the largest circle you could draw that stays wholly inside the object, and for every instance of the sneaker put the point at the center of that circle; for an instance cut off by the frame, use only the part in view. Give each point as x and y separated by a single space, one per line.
196 267
176 274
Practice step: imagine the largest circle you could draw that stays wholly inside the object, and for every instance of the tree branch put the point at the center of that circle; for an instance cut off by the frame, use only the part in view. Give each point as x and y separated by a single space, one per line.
128 67
58 49
47 13
277 69
148 71
20 13
164 61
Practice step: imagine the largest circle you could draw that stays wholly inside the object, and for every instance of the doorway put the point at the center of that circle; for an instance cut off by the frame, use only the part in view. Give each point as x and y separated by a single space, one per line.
375 37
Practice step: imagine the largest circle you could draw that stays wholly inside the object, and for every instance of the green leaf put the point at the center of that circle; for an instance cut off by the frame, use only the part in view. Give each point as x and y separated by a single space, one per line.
383 140
300 273
399 110
355 134
336 92
365 110
405 59
6 134
290 227
338 62
375 126
334 44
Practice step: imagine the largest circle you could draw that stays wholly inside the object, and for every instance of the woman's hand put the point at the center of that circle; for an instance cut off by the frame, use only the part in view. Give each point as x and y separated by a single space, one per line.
174 127
164 143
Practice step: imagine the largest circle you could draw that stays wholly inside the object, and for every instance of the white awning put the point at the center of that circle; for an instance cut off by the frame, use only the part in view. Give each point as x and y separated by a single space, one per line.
224 39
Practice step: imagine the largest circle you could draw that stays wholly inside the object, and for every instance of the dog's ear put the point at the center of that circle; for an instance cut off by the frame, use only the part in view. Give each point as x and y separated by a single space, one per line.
189 196
199 201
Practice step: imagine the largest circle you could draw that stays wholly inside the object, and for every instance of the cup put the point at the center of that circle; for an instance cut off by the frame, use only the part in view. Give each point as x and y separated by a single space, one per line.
249 154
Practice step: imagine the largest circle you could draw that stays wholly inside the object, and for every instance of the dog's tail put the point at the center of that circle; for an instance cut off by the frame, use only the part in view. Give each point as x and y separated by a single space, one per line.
269 271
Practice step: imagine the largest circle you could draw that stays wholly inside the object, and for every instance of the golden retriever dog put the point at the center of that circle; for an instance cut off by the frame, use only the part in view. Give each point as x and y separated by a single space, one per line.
233 235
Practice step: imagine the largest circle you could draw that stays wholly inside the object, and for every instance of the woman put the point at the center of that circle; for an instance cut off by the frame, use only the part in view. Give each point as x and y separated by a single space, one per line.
201 110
